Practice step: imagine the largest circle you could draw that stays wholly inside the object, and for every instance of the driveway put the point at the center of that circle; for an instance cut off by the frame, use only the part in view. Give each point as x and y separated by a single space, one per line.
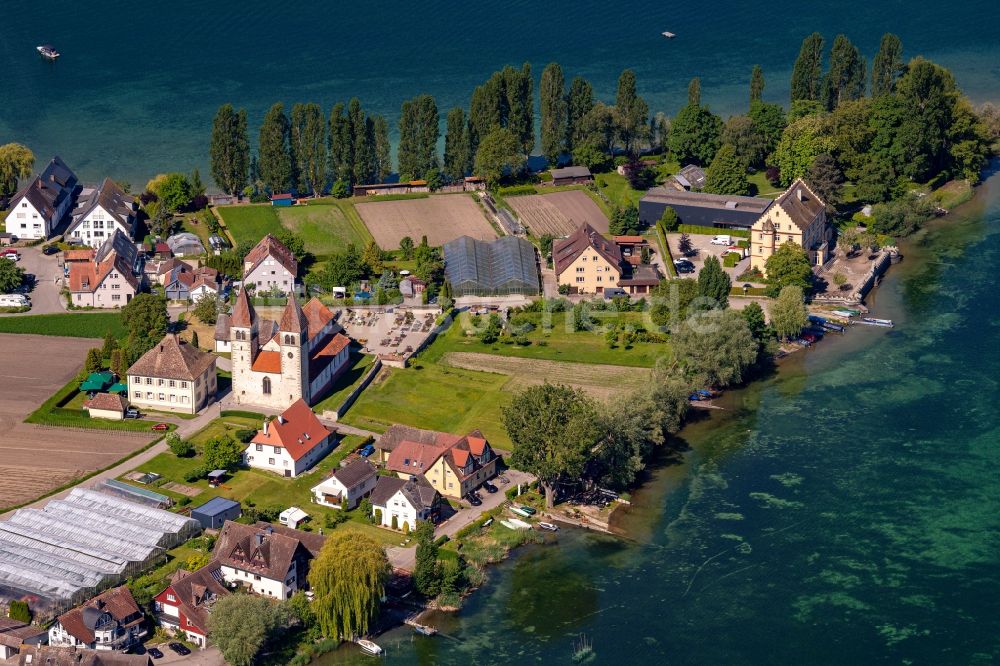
48 274
701 249
469 514
207 657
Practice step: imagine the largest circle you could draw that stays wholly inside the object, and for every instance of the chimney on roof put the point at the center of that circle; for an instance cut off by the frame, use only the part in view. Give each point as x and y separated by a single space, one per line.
798 193
281 419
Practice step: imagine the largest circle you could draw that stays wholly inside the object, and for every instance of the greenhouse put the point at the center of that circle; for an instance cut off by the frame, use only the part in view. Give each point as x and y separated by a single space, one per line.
77 546
491 268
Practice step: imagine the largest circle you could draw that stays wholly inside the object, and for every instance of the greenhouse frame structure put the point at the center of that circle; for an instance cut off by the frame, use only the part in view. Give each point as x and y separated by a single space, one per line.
500 267
75 547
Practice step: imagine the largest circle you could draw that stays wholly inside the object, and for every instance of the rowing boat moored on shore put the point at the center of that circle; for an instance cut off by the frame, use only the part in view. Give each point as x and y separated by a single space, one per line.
549 527
872 321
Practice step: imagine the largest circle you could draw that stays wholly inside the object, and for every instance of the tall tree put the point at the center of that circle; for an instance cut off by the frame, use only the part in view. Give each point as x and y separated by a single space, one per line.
499 152
888 65
599 128
348 578
714 284
714 348
695 135
308 141
801 142
426 572
363 142
749 143
275 160
727 174
768 122
456 145
383 155
756 84
694 92
487 110
552 94
789 265
11 275
145 318
631 113
241 624
340 145
808 69
826 179
788 312
552 428
847 75
418 136
229 152
520 105
16 163
579 102
659 132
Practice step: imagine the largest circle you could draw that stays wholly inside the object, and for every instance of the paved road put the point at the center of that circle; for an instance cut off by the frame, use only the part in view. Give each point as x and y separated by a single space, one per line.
45 297
470 514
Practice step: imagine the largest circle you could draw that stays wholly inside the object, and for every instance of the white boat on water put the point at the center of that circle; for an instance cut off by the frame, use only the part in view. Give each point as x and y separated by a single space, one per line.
47 51
668 35
368 646
549 527
872 321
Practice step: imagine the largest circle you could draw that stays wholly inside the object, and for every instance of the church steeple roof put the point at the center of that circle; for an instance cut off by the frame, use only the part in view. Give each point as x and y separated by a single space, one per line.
243 313
293 320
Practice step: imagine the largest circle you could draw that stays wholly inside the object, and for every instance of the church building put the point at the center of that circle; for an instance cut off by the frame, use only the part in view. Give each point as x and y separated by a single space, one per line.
277 363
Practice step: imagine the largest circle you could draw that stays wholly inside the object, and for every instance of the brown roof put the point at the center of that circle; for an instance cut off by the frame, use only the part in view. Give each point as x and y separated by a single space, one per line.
79 255
222 327
243 312
267 550
87 276
269 246
293 320
324 355
111 402
111 198
71 656
801 204
643 275
173 359
355 474
297 429
197 591
118 602
396 434
317 316
409 457
566 250
14 632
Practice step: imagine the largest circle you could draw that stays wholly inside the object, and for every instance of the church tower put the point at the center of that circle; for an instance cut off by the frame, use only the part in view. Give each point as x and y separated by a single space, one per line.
245 343
293 339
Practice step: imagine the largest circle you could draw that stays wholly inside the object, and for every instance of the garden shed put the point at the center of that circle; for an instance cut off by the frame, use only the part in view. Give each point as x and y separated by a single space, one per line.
214 513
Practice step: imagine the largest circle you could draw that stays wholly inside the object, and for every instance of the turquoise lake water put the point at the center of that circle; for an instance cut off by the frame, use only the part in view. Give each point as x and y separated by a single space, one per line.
845 511
138 83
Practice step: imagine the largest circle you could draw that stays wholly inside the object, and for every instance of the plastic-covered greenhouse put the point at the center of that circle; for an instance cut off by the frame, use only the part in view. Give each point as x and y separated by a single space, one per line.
491 268
75 547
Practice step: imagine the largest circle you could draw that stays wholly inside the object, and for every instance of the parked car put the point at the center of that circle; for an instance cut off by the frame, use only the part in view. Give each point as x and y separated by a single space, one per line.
160 426
11 254
179 649
49 250
683 266
490 488
366 450
473 500
155 653
131 413
722 240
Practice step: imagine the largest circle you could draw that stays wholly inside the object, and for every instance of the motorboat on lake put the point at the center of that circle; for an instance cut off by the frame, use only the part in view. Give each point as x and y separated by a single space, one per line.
369 646
668 35
47 51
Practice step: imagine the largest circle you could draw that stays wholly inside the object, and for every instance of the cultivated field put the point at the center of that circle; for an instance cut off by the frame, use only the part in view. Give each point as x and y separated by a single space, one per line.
559 213
35 459
600 381
441 218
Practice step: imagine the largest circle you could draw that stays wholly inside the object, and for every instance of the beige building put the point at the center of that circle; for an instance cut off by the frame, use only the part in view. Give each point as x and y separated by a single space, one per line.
106 406
110 279
173 376
586 261
797 216
453 465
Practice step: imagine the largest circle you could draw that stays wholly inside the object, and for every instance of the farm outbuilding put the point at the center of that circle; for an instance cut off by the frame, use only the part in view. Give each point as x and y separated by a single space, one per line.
214 513
64 553
491 268
572 175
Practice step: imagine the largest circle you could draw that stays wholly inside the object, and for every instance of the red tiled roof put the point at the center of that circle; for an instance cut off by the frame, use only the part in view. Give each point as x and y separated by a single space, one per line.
243 312
79 255
280 197
269 246
317 317
297 430
267 361
628 239
413 457
293 320
111 402
566 250
117 601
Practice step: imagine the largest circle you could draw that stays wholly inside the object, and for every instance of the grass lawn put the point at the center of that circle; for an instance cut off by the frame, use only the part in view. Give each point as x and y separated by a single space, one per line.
562 344
65 409
346 382
70 324
197 224
616 188
434 396
250 222
759 185
326 225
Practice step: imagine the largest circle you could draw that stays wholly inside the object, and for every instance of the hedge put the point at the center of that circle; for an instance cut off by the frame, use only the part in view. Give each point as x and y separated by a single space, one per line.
243 414
711 231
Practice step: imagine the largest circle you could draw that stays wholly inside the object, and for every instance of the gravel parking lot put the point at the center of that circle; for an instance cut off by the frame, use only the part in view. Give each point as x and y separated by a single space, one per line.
701 249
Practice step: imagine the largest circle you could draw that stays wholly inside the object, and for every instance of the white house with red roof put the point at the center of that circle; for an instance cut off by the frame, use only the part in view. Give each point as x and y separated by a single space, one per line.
270 264
291 443
185 605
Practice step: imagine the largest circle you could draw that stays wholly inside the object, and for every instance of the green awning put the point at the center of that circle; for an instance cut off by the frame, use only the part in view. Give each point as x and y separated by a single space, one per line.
118 388
97 381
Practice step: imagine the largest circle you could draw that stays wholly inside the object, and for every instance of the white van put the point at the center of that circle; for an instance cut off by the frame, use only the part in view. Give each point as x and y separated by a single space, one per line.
13 300
722 240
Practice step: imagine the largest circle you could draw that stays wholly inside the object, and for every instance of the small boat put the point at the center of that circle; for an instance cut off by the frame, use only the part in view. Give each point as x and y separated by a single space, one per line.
368 646
489 521
47 51
830 326
816 319
872 321
844 312
515 524
520 511
425 630
549 527
668 35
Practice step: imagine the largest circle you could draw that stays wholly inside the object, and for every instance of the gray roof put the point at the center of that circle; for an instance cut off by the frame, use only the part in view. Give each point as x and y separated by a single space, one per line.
222 327
110 197
355 474
701 208
691 176
49 190
417 491
503 266
122 246
571 172
216 506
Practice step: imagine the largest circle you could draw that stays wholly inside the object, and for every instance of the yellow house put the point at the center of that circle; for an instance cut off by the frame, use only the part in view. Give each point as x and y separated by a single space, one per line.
454 466
586 261
799 216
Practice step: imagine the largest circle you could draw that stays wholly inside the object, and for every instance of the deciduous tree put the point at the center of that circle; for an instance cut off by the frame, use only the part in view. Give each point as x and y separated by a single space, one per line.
426 572
418 137
145 318
223 452
308 142
808 69
340 145
826 179
847 76
788 312
695 135
94 362
788 266
499 152
457 156
348 579
241 624
580 101
714 348
16 163
11 275
801 143
888 65
756 84
383 151
207 309
631 113
727 174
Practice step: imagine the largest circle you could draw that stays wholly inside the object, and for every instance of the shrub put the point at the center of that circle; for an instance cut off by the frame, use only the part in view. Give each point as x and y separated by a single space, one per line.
19 610
245 435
